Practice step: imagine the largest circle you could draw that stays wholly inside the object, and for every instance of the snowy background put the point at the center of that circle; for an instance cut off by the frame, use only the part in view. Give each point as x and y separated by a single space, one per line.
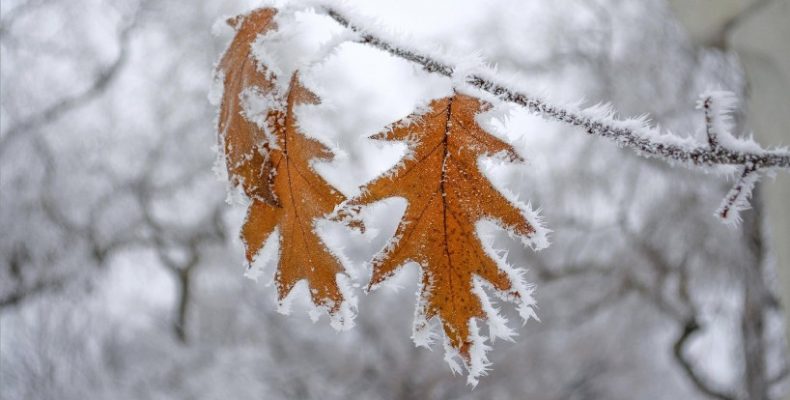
121 272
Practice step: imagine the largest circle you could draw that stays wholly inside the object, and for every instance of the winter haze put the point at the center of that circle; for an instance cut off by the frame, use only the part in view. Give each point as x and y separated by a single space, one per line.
122 275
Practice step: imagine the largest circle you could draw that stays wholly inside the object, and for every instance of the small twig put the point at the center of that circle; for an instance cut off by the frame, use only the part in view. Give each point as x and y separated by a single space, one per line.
710 130
737 198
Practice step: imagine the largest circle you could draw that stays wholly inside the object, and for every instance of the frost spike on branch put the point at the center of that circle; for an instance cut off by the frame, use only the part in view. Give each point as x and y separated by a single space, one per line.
643 139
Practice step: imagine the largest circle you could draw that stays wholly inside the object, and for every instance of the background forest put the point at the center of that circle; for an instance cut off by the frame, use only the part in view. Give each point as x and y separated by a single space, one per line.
122 275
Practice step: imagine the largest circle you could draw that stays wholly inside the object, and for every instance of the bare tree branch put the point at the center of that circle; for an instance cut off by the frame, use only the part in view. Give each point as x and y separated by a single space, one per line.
679 350
719 39
191 241
103 80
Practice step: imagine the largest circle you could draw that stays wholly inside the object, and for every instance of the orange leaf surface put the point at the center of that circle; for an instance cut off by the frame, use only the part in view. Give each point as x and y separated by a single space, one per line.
447 195
303 196
245 142
270 158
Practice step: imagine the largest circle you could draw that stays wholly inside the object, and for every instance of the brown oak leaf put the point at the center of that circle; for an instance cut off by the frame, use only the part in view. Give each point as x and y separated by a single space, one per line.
303 196
245 143
270 159
447 196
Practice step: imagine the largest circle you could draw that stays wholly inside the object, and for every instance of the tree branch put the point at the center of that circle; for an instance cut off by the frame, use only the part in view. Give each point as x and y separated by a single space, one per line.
719 39
689 329
102 81
635 139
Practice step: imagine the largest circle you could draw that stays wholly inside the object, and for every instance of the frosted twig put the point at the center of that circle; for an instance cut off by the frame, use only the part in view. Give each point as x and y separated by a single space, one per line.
721 148
737 198
623 135
718 107
710 125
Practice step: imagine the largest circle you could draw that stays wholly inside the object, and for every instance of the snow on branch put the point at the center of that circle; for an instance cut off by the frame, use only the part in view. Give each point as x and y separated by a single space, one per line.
737 198
717 107
721 149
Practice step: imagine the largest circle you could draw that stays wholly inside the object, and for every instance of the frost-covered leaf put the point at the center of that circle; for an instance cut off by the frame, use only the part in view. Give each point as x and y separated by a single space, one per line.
448 196
271 160
245 143
302 196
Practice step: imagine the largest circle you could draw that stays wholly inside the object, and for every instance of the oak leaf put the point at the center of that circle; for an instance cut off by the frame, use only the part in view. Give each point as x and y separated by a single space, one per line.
447 196
302 197
270 159
245 143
